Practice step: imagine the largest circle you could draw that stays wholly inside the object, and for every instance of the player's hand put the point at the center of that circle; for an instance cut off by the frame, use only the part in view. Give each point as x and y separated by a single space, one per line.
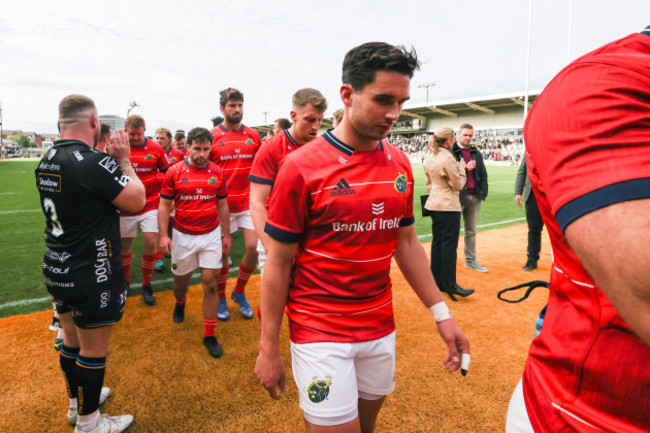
518 200
471 165
462 164
119 147
226 244
269 369
165 245
456 341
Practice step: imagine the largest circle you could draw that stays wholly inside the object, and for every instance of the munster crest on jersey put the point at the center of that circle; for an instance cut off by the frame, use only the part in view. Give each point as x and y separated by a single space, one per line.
249 142
212 180
318 390
401 183
149 157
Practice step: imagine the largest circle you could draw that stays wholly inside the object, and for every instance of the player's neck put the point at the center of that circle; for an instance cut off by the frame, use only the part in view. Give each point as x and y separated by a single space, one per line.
231 126
292 133
347 134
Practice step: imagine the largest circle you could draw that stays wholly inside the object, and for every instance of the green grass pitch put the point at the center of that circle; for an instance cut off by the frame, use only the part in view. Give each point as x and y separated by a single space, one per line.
21 245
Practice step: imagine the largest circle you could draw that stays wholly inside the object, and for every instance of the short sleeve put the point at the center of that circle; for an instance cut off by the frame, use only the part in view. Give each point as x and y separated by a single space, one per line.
289 205
222 192
265 166
163 161
587 139
409 216
102 175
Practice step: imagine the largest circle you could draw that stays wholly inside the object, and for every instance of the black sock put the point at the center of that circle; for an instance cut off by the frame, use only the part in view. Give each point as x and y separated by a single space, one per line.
68 360
89 377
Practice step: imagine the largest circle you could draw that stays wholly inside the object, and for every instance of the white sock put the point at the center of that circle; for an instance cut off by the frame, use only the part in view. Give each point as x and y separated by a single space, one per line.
88 423
73 402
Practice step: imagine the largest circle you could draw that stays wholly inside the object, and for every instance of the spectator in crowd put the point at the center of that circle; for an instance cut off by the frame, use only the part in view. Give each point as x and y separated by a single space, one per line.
337 117
475 191
280 125
445 177
533 217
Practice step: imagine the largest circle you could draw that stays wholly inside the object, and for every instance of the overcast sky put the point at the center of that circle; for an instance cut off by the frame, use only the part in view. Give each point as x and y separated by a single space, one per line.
173 56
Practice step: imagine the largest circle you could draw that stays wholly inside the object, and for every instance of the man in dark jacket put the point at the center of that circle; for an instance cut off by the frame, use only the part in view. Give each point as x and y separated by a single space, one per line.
533 217
475 191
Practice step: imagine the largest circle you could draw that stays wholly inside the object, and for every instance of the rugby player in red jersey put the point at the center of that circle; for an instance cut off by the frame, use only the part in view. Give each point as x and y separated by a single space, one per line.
148 158
233 148
309 106
164 138
341 209
587 152
197 189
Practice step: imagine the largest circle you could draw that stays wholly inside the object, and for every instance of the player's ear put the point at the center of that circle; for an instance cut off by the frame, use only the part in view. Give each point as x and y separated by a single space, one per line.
293 116
346 94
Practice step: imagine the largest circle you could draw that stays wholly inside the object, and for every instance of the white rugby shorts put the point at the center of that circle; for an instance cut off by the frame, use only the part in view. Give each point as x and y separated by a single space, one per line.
261 256
331 376
193 251
241 220
148 224
517 420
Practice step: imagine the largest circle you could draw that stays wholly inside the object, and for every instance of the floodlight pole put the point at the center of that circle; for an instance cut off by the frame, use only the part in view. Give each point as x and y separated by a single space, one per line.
265 113
426 86
132 105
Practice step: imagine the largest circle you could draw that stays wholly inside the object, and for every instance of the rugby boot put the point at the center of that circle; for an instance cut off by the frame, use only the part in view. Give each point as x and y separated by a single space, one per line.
147 295
244 307
213 346
110 424
179 313
222 312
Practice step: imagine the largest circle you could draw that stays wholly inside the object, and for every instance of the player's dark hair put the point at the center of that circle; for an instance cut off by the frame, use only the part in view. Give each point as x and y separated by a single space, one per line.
198 135
309 96
179 136
134 121
73 106
283 123
362 63
106 129
230 94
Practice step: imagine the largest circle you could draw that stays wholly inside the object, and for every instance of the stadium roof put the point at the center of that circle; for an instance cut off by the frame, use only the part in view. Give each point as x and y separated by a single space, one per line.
490 104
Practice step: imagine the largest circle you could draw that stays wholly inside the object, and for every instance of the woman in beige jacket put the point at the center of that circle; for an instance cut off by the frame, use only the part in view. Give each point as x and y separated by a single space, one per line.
444 179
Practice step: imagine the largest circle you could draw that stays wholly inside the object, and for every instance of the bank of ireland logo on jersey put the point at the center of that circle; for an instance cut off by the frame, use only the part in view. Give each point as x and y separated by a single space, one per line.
318 390
401 183
378 208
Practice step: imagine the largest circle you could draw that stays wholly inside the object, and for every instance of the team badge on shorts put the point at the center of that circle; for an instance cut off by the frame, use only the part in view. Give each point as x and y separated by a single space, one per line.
318 390
174 266
212 180
149 157
401 183
249 142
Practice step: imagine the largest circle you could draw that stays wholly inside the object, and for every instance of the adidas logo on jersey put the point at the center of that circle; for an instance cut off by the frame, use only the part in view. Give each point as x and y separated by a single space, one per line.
342 188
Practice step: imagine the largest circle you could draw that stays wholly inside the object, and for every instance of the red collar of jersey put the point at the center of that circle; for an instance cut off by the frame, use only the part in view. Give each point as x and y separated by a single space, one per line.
241 127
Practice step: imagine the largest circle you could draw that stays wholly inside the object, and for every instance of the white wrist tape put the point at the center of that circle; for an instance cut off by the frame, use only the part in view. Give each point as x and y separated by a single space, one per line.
440 312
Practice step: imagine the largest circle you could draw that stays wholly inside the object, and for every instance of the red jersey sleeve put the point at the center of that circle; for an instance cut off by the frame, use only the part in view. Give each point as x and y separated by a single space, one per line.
163 161
592 150
265 165
289 205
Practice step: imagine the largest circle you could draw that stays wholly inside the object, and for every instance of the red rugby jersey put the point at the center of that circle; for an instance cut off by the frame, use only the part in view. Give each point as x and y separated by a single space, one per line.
234 151
345 209
271 154
195 191
588 143
147 161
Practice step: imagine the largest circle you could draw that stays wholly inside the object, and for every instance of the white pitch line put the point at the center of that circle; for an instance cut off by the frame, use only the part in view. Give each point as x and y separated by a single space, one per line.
481 226
132 286
4 193
5 212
